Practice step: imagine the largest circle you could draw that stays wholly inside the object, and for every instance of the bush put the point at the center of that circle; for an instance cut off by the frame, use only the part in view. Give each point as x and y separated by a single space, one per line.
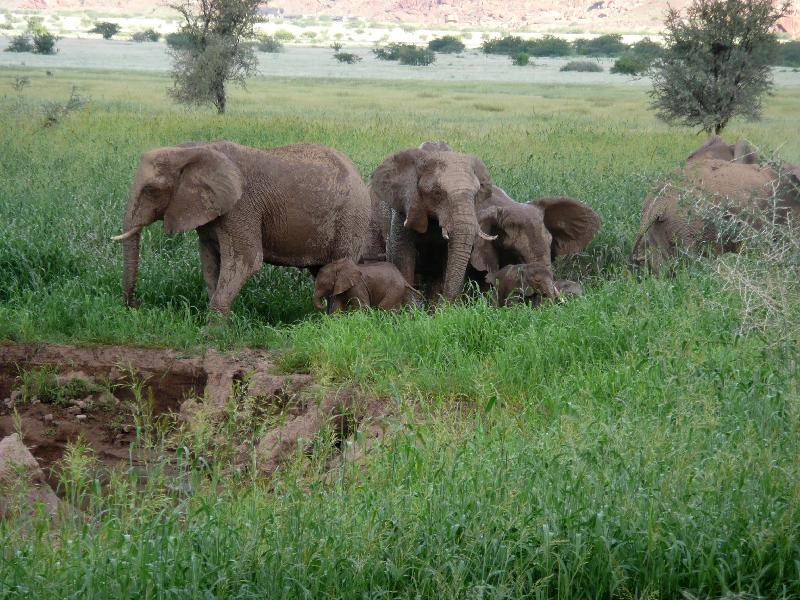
105 28
390 51
548 45
44 42
55 111
583 66
448 44
309 34
283 35
417 56
510 45
521 59
631 64
787 54
605 45
347 57
148 35
336 46
179 41
269 44
20 43
647 49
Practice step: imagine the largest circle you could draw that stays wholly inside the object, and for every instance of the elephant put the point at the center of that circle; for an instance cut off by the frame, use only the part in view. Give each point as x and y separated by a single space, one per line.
347 285
533 232
424 208
303 205
567 287
524 282
685 211
715 147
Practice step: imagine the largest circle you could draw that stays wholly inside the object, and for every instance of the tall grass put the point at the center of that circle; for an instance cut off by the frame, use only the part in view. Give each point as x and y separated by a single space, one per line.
630 443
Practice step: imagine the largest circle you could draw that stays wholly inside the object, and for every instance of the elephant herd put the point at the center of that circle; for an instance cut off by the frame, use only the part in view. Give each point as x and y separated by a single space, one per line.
428 220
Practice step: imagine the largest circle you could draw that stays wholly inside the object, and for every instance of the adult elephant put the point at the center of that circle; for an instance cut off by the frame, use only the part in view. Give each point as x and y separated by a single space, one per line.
303 205
423 202
532 233
716 147
685 211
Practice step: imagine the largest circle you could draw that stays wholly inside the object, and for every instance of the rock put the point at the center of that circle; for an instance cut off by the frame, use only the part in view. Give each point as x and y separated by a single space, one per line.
81 404
48 418
80 417
74 410
22 482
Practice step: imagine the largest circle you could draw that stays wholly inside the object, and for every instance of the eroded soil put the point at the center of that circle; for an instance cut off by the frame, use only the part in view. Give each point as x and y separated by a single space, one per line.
94 393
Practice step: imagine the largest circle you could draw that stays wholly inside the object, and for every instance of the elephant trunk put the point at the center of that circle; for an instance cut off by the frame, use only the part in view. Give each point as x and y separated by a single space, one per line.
130 261
317 299
461 233
133 224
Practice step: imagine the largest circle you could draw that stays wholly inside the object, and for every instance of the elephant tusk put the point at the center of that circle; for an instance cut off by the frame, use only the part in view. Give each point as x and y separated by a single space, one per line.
128 234
405 223
488 238
444 233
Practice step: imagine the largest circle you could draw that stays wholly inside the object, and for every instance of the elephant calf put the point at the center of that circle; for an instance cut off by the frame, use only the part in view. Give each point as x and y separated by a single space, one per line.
522 283
348 286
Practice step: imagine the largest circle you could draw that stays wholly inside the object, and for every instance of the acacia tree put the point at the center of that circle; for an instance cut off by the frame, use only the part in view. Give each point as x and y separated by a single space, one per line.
716 62
213 49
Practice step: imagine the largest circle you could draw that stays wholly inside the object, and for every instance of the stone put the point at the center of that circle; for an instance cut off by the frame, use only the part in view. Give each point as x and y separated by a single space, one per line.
22 482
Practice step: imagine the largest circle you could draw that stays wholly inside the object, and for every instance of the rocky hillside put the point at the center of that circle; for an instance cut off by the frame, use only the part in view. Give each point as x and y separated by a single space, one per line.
586 15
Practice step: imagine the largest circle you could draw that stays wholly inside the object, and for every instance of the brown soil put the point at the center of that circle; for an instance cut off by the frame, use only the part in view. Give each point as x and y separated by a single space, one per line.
177 385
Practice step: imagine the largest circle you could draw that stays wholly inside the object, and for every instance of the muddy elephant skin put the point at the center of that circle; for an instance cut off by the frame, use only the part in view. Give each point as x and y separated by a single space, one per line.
303 205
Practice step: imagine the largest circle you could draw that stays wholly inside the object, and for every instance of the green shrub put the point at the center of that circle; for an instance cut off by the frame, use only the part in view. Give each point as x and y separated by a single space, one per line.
510 45
336 46
148 35
269 44
787 54
604 45
283 35
521 59
20 43
583 66
178 40
390 51
631 64
347 57
105 28
647 49
448 44
44 42
417 56
548 45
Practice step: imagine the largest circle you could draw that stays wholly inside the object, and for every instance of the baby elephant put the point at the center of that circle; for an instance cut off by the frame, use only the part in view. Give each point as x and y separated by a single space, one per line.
348 286
567 287
521 283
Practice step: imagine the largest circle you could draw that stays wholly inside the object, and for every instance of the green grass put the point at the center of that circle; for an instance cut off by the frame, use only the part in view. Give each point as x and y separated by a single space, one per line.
626 444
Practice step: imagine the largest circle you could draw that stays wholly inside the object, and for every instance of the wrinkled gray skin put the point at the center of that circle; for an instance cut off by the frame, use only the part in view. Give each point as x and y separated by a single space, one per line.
532 233
303 205
715 147
423 206
522 283
681 215
347 286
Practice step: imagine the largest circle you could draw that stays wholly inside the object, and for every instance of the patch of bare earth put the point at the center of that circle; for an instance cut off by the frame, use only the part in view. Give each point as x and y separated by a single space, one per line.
182 387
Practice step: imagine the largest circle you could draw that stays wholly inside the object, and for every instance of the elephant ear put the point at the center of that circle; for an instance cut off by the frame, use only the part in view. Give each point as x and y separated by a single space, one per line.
713 147
484 255
207 186
571 223
395 183
745 153
348 276
482 173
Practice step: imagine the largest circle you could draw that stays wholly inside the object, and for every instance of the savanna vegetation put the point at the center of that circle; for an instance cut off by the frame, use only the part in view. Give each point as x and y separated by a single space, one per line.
640 441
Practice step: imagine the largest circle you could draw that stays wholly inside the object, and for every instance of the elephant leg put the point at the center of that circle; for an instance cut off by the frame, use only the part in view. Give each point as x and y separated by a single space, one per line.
209 259
400 250
237 264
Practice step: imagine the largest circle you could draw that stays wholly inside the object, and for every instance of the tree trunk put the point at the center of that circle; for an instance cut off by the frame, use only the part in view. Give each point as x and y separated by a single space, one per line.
219 98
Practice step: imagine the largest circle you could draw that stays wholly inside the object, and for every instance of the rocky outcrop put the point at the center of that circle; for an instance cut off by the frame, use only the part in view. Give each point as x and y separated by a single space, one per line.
22 482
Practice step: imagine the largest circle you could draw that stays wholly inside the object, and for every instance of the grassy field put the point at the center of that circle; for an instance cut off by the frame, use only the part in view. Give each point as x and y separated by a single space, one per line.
630 443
